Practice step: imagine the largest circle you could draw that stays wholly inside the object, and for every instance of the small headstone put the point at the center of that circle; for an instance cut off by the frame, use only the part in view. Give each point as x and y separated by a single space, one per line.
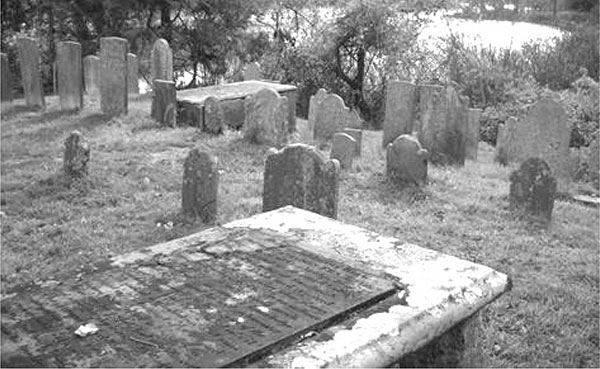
593 164
164 103
6 79
400 110
91 74
132 74
533 189
113 75
299 175
265 121
31 77
505 141
70 75
333 116
200 186
162 61
357 135
472 137
214 116
343 149
77 155
406 160
252 72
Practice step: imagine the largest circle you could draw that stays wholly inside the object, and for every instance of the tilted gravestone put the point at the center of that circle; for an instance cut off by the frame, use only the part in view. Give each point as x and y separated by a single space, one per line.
400 110
214 116
200 186
70 75
472 136
357 135
265 121
431 112
164 103
313 110
113 75
6 79
91 74
532 189
505 141
300 176
132 74
252 72
333 116
31 77
76 155
406 160
593 164
162 61
343 149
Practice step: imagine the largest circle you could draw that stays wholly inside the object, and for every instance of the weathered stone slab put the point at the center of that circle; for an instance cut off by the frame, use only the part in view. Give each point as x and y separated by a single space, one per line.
162 61
299 175
91 74
164 103
343 149
593 164
505 141
266 118
200 186
31 77
252 72
432 124
113 75
406 160
533 189
333 116
76 155
313 110
400 110
357 135
214 116
70 75
6 79
472 136
132 74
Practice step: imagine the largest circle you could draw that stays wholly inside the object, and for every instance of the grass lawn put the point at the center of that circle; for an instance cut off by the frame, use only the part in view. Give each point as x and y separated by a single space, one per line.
133 195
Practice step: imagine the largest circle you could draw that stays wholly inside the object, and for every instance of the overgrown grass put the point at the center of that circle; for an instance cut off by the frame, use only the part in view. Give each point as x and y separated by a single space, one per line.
132 199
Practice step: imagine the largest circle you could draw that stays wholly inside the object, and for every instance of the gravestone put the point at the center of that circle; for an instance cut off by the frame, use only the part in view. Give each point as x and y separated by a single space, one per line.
472 137
252 72
593 164
333 116
70 75
76 156
132 74
406 160
505 141
214 116
357 135
400 110
431 124
200 186
113 75
91 74
162 61
29 60
313 110
299 175
343 149
544 133
6 79
164 103
532 189
265 119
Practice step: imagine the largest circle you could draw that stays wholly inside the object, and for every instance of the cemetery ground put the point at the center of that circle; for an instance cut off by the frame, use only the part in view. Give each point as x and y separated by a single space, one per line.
132 198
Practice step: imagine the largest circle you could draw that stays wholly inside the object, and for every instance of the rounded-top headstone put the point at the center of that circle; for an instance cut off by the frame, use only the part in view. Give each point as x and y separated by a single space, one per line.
265 120
343 149
533 189
162 60
406 160
200 186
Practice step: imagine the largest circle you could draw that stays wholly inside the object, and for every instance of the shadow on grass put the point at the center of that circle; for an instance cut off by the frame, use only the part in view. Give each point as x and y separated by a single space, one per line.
10 110
390 191
85 125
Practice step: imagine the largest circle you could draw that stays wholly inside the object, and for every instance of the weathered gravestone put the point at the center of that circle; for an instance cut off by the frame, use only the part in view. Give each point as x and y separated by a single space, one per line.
544 133
472 136
252 72
265 119
333 116
113 75
400 110
299 175
76 156
214 116
505 141
164 103
313 110
200 186
162 61
593 164
343 149
357 135
132 74
532 189
70 75
6 79
91 74
406 160
29 59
